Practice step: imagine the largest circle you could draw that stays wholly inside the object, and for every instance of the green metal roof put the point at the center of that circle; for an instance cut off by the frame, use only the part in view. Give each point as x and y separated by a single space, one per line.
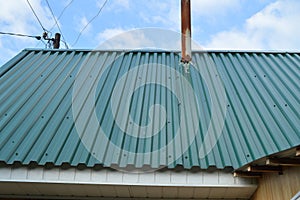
47 115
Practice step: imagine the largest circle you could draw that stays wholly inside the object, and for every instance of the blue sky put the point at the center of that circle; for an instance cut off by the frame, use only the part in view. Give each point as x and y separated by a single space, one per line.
216 24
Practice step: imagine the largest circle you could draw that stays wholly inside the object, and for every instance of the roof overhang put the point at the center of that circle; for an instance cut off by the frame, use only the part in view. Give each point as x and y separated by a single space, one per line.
40 182
272 163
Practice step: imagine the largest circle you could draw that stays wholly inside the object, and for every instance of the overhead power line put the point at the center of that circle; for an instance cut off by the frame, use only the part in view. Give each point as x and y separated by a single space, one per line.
90 22
36 16
62 12
21 35
56 22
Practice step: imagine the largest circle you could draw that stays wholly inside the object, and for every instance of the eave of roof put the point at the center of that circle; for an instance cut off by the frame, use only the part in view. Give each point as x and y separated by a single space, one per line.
92 183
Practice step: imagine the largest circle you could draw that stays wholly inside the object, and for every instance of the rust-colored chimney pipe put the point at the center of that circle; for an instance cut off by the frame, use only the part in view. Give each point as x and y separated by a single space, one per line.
186 49
56 41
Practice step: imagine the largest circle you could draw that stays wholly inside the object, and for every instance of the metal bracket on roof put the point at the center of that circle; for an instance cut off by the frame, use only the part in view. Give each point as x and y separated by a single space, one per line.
186 67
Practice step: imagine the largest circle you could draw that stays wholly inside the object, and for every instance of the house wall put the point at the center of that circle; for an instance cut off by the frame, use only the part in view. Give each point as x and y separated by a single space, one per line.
278 187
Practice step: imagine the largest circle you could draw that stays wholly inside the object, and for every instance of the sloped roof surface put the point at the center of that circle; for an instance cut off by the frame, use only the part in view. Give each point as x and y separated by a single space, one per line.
68 107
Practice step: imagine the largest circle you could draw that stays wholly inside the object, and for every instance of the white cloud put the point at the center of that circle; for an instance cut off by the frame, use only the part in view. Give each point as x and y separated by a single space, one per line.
161 12
118 38
122 3
116 5
275 27
16 17
213 7
81 25
167 12
147 38
109 33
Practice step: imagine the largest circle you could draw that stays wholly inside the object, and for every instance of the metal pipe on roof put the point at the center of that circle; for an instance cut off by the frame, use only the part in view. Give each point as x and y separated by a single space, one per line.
186 49
56 41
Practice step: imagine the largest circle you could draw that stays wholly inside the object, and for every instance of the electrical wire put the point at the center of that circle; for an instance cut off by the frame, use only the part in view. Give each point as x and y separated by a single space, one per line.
36 16
90 22
21 35
39 42
62 12
56 22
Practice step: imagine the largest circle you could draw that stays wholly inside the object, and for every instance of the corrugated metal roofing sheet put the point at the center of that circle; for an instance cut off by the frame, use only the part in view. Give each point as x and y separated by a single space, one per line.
42 94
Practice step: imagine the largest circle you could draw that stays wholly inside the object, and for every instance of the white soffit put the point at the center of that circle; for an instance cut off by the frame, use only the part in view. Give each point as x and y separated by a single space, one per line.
90 183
